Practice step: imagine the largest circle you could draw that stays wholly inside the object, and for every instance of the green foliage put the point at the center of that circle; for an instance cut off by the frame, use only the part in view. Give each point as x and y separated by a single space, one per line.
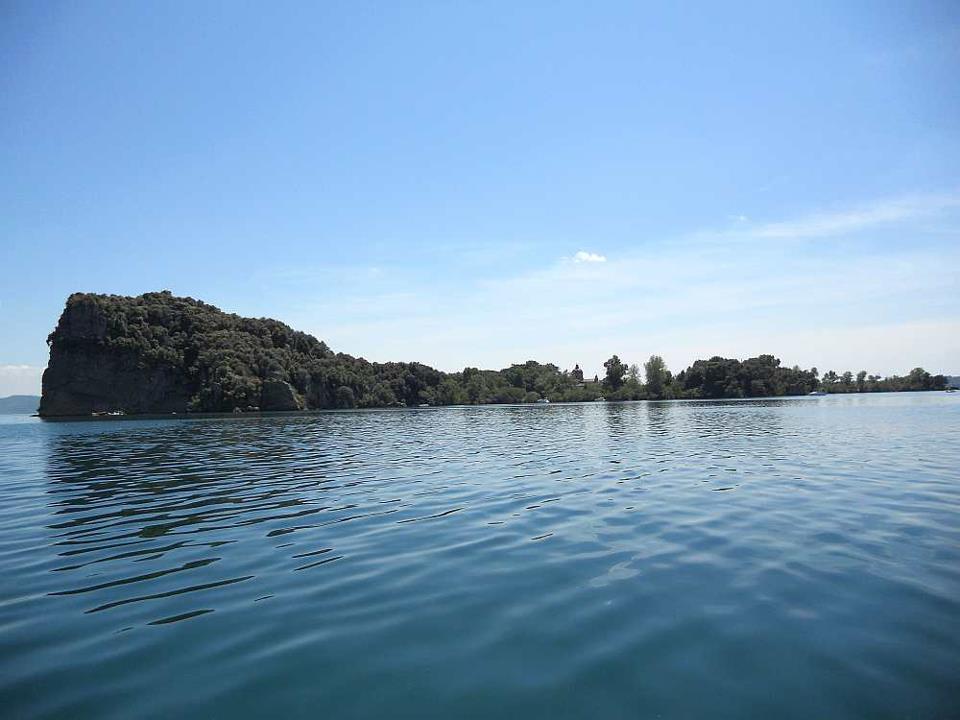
755 377
657 376
345 397
917 380
763 376
223 359
616 371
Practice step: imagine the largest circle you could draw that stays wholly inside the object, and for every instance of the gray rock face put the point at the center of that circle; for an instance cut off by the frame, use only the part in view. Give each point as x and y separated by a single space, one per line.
279 395
84 377
83 382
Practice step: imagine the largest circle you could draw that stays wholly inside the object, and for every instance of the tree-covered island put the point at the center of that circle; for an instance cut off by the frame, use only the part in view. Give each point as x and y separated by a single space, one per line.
158 353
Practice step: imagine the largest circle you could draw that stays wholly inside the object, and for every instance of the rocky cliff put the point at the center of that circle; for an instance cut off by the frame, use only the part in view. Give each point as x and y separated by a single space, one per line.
111 354
87 374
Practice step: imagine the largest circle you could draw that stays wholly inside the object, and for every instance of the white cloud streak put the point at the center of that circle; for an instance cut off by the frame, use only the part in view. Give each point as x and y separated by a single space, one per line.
885 212
588 257
863 221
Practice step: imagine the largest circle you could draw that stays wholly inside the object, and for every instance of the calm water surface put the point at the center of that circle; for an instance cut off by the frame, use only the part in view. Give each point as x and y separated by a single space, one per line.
794 558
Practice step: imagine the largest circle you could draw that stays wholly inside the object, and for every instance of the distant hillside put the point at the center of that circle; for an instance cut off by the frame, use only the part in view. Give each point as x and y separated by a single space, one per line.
953 381
19 404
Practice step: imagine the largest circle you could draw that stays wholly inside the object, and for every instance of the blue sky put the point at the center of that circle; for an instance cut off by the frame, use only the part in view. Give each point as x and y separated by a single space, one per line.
483 183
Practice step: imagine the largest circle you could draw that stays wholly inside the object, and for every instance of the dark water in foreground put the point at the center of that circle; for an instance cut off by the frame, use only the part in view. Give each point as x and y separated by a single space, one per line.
781 558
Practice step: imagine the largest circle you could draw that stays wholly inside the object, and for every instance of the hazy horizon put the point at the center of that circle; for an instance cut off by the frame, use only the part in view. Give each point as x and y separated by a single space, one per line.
468 185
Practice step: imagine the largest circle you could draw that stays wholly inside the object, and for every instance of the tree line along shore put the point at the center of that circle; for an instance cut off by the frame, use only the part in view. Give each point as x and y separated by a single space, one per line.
161 353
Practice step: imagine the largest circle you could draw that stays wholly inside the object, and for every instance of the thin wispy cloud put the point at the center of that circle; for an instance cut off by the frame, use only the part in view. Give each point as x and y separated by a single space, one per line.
858 219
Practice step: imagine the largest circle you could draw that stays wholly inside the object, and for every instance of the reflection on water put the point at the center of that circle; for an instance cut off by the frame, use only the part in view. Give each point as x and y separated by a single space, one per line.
579 560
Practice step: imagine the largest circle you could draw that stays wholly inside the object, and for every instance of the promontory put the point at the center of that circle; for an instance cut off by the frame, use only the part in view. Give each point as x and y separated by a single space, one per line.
159 354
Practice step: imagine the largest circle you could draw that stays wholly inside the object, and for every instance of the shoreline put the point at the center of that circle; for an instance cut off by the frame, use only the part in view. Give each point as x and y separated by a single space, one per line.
329 411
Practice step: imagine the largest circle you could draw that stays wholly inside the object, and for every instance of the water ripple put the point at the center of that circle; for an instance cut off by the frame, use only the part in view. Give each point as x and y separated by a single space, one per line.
582 560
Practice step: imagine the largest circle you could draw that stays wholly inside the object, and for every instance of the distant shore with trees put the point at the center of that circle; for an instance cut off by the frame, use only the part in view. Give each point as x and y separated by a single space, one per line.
158 353
716 378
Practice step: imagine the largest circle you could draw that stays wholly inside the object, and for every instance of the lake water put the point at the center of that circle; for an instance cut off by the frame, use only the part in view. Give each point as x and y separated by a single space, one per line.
787 558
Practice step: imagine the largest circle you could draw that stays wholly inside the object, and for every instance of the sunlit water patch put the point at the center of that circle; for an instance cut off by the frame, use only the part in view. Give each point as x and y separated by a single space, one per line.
776 558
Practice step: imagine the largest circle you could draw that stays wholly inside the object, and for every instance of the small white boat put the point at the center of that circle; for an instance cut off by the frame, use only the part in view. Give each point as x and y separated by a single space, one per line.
600 399
817 392
543 401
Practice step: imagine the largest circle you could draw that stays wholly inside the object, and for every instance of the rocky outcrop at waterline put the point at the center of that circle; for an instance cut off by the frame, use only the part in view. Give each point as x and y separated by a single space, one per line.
92 371
89 380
